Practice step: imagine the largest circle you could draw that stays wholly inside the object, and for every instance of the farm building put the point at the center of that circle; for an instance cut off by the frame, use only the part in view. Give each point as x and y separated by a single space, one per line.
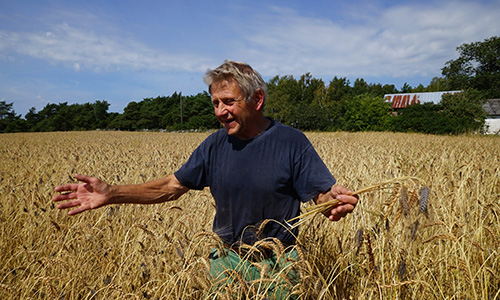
492 109
403 100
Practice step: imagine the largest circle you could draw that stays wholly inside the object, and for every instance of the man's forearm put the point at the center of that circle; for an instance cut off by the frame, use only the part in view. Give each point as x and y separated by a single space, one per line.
157 191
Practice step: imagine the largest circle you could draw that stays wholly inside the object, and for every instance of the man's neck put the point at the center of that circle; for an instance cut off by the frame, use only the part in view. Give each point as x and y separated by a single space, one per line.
260 125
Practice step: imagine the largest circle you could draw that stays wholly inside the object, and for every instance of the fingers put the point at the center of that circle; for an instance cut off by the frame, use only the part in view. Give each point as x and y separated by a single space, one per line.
83 196
68 192
64 196
68 204
77 210
83 178
347 202
79 204
348 199
71 187
341 211
340 190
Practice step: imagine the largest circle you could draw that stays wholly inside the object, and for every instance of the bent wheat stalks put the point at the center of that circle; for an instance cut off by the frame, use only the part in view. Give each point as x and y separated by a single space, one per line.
325 207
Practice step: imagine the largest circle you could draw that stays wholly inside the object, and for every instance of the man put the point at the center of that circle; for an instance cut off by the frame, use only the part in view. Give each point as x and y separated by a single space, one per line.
257 170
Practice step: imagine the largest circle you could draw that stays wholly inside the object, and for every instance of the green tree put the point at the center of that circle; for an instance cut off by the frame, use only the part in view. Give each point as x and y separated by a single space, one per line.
477 67
199 113
438 84
6 111
406 88
337 95
425 118
9 120
465 111
366 113
360 87
283 94
46 118
456 114
32 118
131 115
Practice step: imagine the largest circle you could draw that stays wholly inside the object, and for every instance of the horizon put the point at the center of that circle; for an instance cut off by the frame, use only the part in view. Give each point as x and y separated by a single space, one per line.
58 51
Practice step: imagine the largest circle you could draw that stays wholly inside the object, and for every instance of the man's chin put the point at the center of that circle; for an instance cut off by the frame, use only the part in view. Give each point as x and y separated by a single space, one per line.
231 131
230 128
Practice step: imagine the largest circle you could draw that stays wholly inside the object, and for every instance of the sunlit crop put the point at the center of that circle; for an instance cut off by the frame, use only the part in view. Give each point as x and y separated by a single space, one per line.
432 238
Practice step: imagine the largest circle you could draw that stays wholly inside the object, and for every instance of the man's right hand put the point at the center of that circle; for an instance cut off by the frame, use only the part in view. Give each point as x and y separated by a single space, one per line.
90 194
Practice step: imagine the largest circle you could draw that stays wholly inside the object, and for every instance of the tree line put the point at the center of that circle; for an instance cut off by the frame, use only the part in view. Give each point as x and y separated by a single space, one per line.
306 103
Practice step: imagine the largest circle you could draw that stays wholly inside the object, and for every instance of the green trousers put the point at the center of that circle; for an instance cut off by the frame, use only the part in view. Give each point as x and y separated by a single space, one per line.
272 277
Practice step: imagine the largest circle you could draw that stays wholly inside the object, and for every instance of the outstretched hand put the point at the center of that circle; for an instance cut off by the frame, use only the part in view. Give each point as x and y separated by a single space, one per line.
90 194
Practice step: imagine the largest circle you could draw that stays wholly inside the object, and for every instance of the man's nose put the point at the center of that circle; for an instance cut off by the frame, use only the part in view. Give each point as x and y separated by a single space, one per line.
220 109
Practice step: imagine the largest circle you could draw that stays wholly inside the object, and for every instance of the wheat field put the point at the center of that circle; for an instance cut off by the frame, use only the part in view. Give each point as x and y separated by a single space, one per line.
434 238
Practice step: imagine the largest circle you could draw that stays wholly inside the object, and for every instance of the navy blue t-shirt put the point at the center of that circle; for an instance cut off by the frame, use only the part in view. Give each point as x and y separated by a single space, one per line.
255 180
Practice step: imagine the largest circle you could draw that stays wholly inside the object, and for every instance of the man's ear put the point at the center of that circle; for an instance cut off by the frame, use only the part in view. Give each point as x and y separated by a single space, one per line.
258 99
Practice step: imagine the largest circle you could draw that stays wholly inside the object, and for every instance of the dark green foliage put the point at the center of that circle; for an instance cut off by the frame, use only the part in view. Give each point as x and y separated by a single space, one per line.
64 117
148 114
366 113
424 118
165 113
477 67
9 121
456 114
465 110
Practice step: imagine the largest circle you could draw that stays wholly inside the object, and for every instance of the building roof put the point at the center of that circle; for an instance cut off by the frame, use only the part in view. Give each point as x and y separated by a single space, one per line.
492 107
405 99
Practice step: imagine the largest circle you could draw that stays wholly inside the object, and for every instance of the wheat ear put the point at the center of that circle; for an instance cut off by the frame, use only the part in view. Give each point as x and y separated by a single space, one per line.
325 207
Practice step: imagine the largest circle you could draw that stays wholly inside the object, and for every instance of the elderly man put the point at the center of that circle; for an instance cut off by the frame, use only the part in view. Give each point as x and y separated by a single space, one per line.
257 170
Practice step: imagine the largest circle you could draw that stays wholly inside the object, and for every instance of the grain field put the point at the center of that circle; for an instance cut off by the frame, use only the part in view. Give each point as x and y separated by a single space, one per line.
436 237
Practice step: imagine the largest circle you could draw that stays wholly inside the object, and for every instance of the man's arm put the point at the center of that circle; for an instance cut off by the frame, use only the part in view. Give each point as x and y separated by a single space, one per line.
347 202
93 193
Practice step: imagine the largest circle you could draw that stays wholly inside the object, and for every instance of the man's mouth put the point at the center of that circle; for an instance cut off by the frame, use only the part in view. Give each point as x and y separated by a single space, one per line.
228 122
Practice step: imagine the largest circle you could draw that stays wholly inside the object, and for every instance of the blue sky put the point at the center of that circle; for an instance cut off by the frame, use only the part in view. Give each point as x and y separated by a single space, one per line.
122 51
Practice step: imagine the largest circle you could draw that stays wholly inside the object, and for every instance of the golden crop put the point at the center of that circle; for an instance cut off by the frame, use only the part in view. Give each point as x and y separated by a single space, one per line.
401 242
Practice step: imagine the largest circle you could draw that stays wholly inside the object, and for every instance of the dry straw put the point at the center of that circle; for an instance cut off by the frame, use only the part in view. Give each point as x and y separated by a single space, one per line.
326 207
461 170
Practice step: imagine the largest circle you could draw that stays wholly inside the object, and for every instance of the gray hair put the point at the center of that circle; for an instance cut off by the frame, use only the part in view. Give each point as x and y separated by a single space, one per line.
248 80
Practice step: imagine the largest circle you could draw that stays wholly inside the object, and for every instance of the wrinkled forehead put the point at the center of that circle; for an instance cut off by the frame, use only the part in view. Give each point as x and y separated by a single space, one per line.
225 88
224 83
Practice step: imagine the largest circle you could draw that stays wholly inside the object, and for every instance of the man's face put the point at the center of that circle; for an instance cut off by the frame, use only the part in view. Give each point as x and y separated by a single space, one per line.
233 112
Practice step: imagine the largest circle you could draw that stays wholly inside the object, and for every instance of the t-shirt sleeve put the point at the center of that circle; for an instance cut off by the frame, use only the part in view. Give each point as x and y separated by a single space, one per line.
193 173
311 176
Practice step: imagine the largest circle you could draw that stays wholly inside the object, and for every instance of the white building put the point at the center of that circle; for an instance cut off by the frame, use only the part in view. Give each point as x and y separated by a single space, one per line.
492 123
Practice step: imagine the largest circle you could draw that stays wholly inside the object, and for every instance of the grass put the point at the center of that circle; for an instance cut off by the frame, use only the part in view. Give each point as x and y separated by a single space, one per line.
389 248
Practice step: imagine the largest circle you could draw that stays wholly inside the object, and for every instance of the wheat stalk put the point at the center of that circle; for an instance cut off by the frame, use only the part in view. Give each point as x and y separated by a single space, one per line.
493 235
441 237
325 207
399 284
6 288
465 270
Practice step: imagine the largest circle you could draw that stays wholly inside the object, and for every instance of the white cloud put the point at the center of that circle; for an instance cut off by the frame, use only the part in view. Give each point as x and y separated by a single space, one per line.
81 49
77 67
400 41
406 40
